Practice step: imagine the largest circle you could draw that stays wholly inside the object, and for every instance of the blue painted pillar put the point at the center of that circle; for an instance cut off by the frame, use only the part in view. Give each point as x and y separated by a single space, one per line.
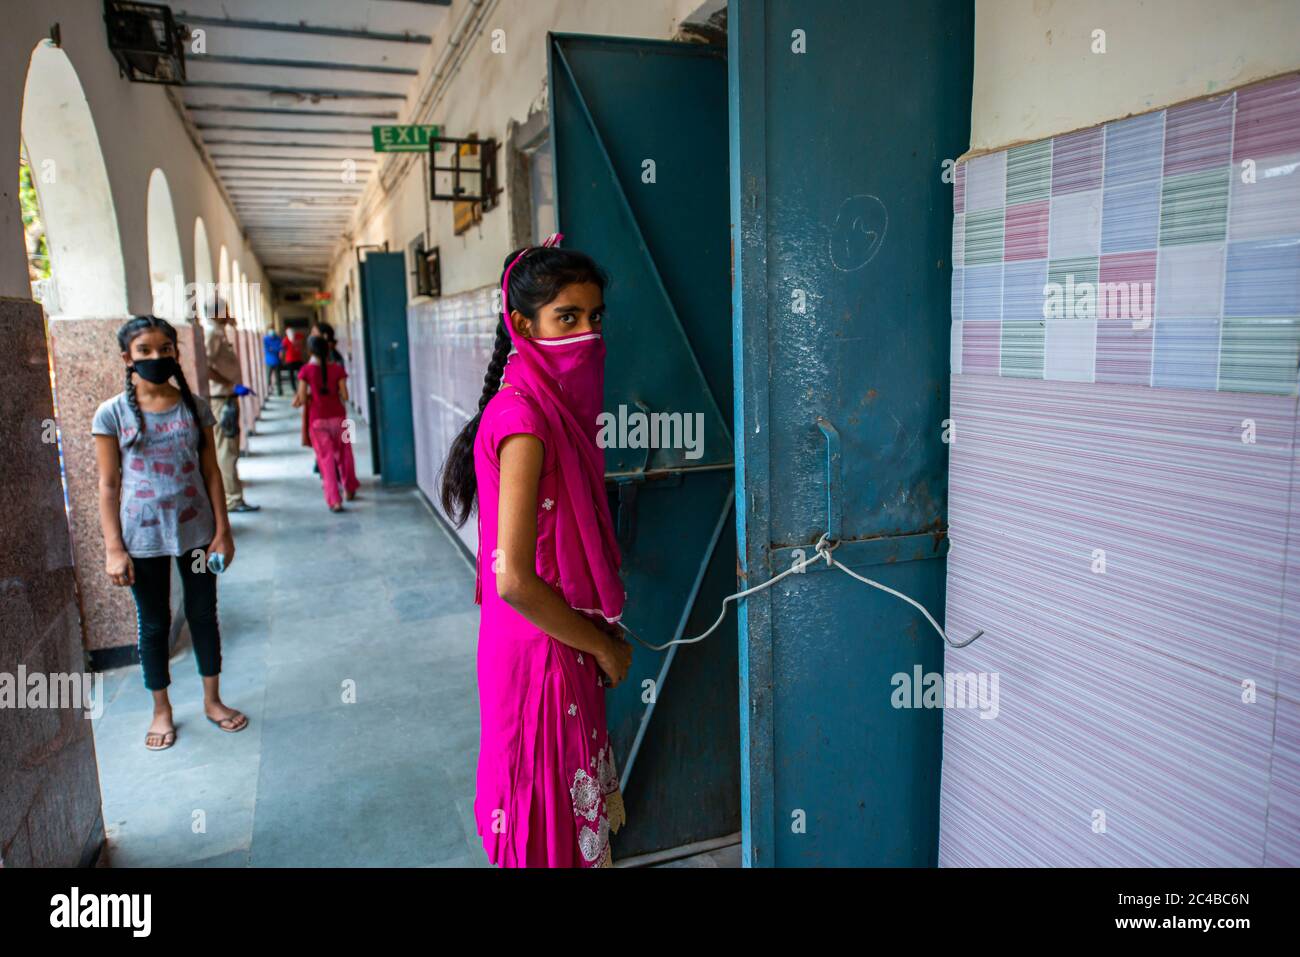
841 117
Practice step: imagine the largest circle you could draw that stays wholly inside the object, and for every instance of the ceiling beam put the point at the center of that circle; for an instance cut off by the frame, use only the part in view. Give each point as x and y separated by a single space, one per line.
302 64
329 172
324 178
282 158
294 110
232 23
283 129
325 92
272 144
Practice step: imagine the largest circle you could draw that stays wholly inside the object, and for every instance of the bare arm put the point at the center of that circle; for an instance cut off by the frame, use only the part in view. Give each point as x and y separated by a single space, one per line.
517 581
343 390
300 395
117 563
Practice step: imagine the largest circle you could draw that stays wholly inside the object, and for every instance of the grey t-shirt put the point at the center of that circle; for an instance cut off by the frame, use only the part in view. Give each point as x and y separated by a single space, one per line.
165 508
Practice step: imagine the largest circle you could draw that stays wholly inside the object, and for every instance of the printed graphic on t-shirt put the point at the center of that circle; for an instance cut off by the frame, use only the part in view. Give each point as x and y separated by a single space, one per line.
164 507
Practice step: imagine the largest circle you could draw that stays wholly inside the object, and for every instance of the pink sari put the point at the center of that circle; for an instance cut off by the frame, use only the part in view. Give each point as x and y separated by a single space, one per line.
547 790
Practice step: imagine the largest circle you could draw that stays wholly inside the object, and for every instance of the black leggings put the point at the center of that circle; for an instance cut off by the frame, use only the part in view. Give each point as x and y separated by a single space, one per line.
152 593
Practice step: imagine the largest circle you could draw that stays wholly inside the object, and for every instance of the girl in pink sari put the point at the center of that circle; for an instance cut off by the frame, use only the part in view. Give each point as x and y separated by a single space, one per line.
548 581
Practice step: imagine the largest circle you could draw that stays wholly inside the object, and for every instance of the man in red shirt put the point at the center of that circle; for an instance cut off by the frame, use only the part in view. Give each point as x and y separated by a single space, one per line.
294 352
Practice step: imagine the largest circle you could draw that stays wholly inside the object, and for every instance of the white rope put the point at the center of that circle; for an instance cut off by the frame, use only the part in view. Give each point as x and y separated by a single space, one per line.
822 550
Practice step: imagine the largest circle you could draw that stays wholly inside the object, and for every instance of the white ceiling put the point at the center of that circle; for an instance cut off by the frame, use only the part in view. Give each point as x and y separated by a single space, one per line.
279 110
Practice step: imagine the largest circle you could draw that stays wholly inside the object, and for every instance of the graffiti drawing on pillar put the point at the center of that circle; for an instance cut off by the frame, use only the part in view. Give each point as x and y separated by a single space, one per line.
858 231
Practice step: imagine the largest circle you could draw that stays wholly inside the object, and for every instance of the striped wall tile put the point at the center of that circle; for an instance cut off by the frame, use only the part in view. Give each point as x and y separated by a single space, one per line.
1029 173
1025 230
1194 207
1265 200
1259 355
1121 692
1077 161
1198 135
1268 120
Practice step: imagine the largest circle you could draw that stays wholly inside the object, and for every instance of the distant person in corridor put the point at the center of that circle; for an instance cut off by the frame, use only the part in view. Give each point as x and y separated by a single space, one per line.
322 392
326 332
272 345
294 352
224 389
161 499
548 570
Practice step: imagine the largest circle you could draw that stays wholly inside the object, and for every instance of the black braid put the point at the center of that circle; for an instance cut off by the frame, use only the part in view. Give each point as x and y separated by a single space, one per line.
535 280
320 346
459 483
188 397
134 404
496 367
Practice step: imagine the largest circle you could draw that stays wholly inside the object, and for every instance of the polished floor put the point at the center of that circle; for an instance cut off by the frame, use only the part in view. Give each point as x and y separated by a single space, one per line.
349 642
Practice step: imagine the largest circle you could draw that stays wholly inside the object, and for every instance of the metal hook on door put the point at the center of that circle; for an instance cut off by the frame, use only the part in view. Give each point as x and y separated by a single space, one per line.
834 512
826 545
830 540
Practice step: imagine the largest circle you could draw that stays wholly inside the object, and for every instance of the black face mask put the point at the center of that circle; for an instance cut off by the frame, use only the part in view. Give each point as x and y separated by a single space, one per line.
156 371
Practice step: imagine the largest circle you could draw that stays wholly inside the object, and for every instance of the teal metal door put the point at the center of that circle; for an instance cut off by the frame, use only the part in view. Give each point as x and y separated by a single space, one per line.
842 115
640 145
383 301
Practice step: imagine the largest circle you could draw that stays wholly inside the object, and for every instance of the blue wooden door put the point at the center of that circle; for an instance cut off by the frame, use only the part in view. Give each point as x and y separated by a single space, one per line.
842 114
639 132
383 301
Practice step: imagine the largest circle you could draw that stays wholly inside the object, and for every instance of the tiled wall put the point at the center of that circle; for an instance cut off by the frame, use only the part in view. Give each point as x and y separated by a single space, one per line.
1124 504
1191 214
451 342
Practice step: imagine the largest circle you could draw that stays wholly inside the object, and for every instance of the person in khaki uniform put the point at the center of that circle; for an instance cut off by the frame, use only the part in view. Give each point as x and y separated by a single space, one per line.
223 377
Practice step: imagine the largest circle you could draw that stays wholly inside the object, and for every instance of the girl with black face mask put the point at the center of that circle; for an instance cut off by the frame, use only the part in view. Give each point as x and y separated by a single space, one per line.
161 499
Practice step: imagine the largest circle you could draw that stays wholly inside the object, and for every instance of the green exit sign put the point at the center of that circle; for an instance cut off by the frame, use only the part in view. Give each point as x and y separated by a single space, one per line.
403 139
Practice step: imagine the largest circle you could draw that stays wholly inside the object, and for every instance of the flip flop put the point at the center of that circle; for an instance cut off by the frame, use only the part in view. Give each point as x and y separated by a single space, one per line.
165 735
234 717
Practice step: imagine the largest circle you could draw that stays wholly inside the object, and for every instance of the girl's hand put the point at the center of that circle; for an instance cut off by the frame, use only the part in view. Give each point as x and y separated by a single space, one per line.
297 401
615 659
225 544
121 570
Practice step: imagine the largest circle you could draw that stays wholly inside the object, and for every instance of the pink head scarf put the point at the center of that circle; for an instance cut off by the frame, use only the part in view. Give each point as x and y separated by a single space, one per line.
565 378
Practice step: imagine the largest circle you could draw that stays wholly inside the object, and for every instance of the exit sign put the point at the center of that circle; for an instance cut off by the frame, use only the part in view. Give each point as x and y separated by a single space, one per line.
403 139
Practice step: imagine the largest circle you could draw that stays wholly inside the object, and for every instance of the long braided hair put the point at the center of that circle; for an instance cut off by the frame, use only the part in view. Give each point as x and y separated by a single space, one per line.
130 331
321 347
534 281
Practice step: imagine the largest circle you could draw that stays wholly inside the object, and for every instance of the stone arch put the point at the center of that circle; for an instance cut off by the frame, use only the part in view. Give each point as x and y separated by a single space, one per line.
166 267
203 278
87 268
